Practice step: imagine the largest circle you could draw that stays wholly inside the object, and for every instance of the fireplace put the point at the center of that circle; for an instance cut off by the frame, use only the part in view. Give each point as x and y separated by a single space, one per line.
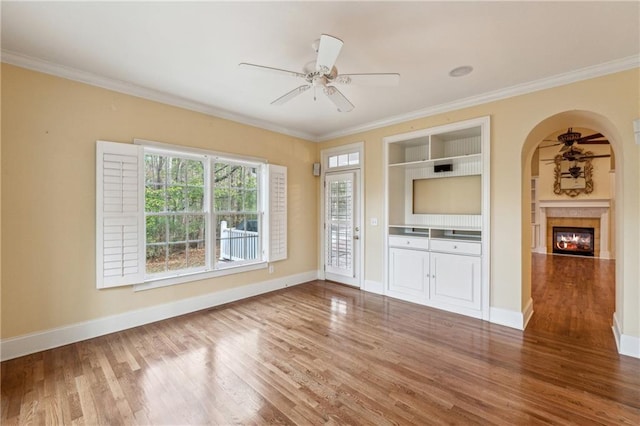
573 240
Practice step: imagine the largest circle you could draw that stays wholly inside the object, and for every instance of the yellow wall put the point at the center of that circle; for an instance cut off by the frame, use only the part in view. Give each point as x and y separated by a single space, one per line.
614 97
50 128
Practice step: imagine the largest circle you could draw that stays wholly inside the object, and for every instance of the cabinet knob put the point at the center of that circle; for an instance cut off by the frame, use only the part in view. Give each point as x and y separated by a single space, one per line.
455 247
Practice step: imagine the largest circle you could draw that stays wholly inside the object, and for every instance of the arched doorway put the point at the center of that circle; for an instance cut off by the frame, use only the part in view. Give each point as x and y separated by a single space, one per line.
563 273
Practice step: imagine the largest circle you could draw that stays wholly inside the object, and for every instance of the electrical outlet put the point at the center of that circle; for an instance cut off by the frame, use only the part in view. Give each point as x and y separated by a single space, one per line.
271 269
374 221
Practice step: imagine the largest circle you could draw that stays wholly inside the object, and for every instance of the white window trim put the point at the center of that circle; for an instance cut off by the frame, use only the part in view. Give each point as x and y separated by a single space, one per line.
195 275
169 148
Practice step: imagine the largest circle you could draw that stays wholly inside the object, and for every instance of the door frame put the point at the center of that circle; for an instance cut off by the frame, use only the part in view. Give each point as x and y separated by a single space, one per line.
324 168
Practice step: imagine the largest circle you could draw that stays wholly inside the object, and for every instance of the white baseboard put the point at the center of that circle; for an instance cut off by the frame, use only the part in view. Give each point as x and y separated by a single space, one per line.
373 287
627 345
35 342
513 319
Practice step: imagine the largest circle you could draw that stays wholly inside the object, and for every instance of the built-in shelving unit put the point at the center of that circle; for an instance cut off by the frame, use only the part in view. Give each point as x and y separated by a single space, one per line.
437 207
535 215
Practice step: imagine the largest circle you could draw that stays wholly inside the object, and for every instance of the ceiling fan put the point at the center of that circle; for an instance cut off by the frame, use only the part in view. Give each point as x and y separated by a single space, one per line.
575 154
574 171
322 74
569 138
570 152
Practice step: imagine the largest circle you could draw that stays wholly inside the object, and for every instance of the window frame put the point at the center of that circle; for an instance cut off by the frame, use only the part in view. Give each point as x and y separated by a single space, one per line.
205 211
260 210
272 227
210 269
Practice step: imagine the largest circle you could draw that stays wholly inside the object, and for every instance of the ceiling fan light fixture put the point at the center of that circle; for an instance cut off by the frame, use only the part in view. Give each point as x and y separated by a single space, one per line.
569 137
322 72
461 71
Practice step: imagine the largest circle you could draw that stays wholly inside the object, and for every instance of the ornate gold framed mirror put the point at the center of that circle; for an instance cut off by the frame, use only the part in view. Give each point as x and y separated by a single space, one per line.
573 176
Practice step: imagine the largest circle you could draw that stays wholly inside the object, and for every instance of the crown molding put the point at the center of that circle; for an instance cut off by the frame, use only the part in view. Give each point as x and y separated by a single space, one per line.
46 67
120 86
593 71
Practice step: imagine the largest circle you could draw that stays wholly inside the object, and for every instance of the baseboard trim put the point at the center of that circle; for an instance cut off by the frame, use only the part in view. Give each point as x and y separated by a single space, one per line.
527 313
373 287
35 342
627 345
513 319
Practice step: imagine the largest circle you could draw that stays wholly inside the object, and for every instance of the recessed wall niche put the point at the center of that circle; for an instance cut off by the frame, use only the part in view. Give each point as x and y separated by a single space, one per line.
450 195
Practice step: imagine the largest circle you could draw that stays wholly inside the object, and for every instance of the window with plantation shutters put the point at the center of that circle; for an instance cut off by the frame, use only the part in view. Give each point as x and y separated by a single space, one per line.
167 214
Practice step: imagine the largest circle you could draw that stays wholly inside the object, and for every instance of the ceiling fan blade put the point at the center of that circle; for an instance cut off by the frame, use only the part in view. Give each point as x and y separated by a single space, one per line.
594 136
271 69
600 142
292 94
328 51
374 79
338 99
588 157
552 145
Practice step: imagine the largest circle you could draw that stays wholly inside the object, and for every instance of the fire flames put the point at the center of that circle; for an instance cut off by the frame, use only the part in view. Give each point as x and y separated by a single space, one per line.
573 242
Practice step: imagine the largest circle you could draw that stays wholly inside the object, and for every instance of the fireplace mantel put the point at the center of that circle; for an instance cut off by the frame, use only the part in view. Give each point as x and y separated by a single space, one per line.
575 203
592 208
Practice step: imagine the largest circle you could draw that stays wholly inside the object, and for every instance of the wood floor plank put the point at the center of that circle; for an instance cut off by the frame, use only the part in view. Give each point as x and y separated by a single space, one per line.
322 353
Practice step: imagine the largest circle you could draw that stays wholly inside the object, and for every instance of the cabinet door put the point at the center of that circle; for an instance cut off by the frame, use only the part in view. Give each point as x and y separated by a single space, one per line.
455 280
408 274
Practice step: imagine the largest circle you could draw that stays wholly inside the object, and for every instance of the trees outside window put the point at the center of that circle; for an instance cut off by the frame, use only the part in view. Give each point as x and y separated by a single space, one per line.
237 218
177 214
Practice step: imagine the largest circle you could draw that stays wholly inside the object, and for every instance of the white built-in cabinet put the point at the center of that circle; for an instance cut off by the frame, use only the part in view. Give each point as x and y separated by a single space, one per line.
408 272
437 217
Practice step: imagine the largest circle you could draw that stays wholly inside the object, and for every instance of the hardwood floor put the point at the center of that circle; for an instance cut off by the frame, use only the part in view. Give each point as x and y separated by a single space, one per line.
574 298
324 353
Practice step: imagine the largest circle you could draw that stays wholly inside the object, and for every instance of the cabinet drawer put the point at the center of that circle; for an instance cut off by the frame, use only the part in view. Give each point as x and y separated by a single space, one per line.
409 242
460 247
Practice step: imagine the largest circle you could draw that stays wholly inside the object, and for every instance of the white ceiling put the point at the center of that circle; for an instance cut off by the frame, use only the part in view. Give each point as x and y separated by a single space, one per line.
188 53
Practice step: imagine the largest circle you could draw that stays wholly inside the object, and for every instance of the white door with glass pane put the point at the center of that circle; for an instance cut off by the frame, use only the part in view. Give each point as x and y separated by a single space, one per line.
342 227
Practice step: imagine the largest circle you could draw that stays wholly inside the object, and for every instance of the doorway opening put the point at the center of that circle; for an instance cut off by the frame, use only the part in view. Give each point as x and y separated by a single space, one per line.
573 284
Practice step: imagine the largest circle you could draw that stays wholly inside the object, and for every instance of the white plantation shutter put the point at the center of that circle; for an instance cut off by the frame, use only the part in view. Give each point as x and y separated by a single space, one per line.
120 226
277 213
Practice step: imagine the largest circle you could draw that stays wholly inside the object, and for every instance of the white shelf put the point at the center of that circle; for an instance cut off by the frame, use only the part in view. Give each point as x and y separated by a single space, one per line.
444 160
434 227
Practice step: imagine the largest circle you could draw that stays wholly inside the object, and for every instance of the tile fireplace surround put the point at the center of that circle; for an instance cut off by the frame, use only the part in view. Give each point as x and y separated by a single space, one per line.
580 213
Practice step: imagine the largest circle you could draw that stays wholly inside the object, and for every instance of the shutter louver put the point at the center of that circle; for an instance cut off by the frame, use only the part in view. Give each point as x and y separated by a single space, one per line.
277 241
119 214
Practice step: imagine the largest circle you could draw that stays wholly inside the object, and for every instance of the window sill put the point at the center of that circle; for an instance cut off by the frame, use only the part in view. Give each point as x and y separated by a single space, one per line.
197 276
